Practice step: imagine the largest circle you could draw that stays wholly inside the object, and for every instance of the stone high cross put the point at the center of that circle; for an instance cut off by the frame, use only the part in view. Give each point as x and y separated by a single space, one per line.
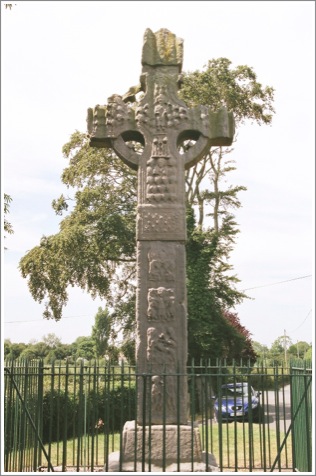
161 122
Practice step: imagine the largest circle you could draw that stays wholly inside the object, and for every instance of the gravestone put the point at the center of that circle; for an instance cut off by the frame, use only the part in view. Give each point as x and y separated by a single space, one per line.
148 135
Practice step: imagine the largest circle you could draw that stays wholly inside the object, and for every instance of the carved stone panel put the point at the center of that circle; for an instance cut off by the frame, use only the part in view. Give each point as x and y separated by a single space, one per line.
161 223
161 300
162 348
161 260
160 304
161 179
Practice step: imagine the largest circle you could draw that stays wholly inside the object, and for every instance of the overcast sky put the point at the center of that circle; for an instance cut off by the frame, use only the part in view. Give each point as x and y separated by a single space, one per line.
59 58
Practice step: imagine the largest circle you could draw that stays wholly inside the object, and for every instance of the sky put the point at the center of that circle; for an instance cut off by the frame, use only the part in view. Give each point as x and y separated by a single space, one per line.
60 58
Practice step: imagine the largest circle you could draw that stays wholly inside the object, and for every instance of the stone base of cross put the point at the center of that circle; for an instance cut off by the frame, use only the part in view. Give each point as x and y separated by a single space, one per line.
169 448
160 123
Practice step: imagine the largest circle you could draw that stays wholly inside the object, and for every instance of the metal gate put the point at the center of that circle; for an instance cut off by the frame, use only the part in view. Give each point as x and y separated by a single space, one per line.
23 417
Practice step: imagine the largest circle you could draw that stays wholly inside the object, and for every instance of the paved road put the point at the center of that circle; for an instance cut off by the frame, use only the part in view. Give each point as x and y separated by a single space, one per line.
277 406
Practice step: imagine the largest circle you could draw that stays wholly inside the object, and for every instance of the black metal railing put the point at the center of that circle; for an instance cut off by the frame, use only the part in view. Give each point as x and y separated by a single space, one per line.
70 417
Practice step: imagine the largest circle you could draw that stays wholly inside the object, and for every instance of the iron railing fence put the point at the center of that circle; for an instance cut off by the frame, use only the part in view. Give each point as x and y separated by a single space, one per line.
70 417
301 413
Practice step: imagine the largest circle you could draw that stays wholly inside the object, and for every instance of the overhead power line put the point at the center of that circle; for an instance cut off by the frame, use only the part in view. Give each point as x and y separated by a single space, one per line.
278 282
42 320
302 322
247 289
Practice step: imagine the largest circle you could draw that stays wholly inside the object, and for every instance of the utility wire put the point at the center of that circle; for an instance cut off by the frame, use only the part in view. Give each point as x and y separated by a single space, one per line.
302 322
41 320
247 289
278 282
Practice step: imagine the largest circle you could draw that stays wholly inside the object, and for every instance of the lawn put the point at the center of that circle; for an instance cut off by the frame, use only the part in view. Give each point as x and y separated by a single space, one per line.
239 446
236 447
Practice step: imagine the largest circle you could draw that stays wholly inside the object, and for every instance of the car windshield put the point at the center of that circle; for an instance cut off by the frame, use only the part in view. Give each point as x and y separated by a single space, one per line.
235 391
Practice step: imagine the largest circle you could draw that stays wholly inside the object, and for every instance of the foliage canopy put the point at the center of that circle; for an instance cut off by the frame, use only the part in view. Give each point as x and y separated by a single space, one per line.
95 246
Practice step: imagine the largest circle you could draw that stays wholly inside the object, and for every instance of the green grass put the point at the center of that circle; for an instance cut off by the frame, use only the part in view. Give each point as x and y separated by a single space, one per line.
242 448
98 447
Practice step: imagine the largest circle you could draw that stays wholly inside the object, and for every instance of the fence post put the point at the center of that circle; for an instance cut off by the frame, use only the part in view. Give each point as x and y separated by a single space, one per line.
39 414
65 435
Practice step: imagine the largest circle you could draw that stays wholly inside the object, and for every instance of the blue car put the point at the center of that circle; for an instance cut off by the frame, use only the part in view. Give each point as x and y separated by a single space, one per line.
233 403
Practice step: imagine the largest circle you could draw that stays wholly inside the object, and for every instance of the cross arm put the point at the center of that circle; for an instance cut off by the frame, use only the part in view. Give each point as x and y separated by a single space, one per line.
206 129
113 126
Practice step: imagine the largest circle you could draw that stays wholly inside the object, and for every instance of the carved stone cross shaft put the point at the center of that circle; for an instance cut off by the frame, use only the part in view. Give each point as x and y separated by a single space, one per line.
160 122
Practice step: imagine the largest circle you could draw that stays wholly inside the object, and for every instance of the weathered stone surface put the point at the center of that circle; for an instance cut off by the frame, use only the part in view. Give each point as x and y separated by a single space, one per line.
162 332
162 48
139 467
169 447
160 122
171 442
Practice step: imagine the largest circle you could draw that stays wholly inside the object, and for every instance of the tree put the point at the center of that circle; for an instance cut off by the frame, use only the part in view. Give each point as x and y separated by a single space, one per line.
124 314
95 246
238 89
38 350
102 331
84 348
128 350
6 347
299 349
245 349
52 341
212 330
6 224
261 350
279 347
12 350
309 354
60 352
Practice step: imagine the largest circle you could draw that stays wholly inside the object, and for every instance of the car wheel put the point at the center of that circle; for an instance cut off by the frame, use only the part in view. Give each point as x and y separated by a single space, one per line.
258 415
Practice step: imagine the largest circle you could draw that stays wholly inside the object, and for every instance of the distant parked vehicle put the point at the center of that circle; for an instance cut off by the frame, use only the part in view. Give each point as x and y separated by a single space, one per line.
234 400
